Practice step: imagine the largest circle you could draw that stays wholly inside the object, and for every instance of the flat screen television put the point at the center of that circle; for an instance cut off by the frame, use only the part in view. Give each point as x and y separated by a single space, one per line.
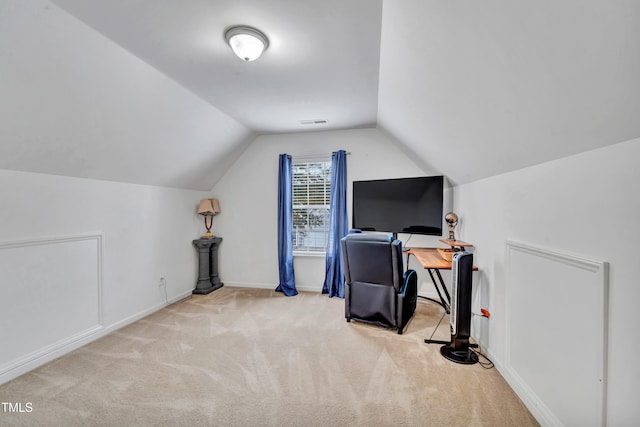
402 205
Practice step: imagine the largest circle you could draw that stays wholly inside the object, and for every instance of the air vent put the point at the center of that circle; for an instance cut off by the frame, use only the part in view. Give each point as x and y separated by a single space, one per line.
313 122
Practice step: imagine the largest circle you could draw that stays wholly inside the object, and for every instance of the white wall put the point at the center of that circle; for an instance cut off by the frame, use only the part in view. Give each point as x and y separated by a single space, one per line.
587 205
74 103
248 196
478 89
146 233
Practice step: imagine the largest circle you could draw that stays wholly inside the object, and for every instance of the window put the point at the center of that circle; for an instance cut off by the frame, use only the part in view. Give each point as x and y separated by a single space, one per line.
311 193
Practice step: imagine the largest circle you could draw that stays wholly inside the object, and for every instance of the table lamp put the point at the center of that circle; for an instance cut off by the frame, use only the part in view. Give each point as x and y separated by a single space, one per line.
208 208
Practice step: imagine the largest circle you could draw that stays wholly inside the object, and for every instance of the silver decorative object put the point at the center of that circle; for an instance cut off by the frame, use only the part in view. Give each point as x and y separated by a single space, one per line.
452 221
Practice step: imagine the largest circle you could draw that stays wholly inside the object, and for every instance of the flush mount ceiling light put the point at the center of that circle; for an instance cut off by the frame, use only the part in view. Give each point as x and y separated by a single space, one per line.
246 42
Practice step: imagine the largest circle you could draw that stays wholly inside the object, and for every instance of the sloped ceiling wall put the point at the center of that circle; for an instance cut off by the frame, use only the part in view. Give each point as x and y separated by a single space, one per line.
480 88
472 89
74 103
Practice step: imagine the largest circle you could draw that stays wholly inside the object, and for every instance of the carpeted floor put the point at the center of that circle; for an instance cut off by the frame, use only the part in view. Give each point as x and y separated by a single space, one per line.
252 357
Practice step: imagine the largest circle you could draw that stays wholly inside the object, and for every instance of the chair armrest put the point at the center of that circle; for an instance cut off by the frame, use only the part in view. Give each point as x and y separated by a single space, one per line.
409 283
407 299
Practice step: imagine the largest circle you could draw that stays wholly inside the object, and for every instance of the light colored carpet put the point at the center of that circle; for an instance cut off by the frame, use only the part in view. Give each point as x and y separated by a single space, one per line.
252 357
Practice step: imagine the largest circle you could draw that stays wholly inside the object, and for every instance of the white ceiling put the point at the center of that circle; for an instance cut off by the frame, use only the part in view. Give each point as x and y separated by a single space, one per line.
322 61
94 88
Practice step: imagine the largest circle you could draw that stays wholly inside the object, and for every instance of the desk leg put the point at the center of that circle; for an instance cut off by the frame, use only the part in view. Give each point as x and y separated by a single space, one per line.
444 288
442 302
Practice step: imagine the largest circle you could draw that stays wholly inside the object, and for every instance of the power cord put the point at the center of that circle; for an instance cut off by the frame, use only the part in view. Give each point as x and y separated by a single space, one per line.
163 284
409 238
486 363
483 360
437 326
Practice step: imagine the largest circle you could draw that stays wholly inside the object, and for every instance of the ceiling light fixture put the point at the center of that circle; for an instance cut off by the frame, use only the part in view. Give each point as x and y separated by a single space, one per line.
247 42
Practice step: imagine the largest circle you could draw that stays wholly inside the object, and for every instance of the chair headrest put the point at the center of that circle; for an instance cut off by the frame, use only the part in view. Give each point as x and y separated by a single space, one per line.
368 237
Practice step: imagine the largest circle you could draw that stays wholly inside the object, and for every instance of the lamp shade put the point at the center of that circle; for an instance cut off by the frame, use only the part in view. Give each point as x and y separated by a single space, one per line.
247 43
209 207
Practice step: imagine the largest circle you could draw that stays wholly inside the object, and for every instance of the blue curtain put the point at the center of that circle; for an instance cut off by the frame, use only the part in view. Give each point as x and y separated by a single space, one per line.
285 228
334 278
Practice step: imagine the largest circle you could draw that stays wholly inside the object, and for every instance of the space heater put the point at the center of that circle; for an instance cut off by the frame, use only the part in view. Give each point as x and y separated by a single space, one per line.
458 350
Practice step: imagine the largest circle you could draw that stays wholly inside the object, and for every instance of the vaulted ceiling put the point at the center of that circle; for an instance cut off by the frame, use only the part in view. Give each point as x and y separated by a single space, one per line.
322 60
470 88
478 88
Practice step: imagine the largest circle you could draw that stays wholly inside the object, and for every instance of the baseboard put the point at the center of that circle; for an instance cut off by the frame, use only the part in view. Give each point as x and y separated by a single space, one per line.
180 297
558 385
268 286
140 315
46 354
528 398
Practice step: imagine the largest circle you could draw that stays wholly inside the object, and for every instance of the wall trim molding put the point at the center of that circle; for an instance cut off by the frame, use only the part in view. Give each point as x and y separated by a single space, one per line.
268 286
43 355
597 310
46 354
52 240
429 293
40 356
144 313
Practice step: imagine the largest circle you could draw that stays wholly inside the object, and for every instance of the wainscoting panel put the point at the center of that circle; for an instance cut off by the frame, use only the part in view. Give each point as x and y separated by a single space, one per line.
50 297
557 334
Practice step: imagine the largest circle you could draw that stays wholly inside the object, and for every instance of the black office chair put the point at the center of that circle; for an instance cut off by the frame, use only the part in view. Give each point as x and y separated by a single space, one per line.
377 290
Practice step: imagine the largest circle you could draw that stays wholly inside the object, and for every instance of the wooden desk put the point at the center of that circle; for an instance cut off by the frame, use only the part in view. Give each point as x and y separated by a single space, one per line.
431 259
433 262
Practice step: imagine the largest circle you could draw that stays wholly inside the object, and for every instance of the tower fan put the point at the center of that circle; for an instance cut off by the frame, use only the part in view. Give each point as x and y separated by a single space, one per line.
460 320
